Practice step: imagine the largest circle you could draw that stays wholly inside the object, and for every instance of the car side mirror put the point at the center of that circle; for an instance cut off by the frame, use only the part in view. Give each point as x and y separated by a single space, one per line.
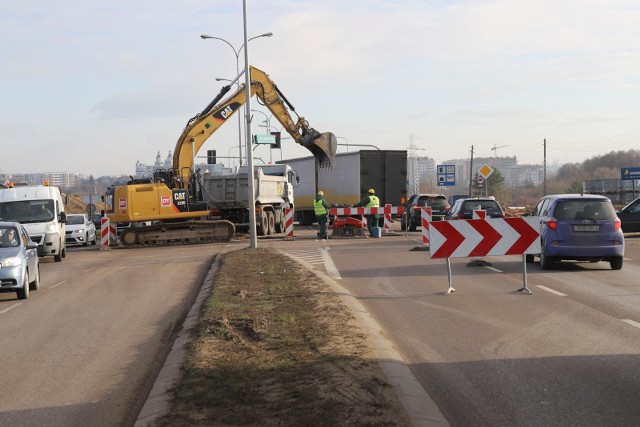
32 245
62 217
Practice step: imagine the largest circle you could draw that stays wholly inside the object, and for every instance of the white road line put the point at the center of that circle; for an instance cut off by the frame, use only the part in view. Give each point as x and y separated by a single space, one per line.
330 266
493 269
631 322
11 307
544 288
58 284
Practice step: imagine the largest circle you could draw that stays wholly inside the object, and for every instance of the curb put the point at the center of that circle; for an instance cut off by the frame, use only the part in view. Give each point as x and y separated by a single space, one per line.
418 405
157 403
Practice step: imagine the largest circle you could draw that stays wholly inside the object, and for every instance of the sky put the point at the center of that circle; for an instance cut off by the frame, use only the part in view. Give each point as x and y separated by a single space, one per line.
91 88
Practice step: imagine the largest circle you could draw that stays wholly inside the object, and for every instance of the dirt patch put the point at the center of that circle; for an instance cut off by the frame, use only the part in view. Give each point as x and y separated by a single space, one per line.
275 346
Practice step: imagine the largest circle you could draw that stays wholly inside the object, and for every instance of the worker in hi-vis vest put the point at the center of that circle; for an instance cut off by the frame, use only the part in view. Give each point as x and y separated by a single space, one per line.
371 201
321 209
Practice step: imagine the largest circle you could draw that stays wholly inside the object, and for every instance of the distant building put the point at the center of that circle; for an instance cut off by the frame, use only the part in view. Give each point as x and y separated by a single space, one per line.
147 171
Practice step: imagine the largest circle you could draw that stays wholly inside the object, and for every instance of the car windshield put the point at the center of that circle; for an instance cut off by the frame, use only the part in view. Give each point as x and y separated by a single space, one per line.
75 219
434 202
584 208
26 211
486 205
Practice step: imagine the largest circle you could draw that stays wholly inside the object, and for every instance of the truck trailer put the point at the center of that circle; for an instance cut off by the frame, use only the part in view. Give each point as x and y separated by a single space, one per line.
349 179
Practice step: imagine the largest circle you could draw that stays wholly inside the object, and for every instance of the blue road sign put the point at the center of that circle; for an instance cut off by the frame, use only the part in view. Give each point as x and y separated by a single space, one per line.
446 175
629 173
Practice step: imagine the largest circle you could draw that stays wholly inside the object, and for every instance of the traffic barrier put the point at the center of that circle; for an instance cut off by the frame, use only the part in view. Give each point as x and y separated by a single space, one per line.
288 224
387 218
397 210
426 219
485 237
105 227
479 214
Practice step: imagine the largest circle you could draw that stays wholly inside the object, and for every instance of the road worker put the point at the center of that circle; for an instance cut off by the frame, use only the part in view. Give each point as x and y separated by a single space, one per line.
321 209
370 201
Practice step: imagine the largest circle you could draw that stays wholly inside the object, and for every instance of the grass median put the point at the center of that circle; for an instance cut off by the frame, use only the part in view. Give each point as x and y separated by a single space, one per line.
275 346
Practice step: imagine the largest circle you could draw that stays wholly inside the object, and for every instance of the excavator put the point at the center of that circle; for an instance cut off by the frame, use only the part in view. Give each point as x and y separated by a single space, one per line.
172 202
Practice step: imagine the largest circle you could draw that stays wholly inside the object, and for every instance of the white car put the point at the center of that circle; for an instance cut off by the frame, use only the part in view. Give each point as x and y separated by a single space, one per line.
80 230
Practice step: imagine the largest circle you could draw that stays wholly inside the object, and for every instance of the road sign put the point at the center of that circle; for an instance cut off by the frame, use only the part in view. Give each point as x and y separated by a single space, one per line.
446 175
629 173
485 170
480 181
264 139
484 237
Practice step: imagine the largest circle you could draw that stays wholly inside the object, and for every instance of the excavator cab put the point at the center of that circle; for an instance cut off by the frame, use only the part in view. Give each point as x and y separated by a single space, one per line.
322 145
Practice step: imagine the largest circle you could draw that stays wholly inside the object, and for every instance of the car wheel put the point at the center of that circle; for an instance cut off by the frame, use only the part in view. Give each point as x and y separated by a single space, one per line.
411 226
63 252
529 258
58 257
94 241
35 285
86 240
616 263
24 292
545 262
403 224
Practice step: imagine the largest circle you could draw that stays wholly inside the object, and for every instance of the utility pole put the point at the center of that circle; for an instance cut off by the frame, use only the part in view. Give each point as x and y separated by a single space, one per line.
544 176
471 171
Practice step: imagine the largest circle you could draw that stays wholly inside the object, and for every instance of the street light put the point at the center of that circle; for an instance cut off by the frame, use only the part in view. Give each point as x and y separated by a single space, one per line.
237 54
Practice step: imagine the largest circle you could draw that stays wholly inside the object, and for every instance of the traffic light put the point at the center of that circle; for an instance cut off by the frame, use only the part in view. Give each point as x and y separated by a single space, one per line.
277 137
211 157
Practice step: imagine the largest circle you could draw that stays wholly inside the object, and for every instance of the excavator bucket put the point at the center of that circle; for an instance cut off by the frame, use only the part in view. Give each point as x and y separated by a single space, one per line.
322 146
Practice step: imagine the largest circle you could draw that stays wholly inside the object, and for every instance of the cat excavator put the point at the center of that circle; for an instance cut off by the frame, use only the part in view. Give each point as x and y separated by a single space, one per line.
172 202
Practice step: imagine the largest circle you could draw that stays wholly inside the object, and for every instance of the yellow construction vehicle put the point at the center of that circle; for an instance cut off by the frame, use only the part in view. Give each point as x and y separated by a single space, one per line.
172 203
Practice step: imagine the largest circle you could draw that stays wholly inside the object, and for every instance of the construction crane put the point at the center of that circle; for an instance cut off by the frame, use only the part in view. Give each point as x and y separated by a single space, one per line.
495 147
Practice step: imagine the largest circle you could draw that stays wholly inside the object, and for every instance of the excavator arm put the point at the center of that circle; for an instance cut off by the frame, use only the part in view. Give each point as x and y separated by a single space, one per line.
202 126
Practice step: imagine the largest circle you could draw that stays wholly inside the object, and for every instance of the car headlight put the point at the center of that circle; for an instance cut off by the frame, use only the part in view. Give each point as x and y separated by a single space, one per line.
51 227
81 230
11 262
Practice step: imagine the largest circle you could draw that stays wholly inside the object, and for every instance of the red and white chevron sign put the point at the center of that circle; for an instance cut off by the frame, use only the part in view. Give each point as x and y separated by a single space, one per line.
387 209
484 237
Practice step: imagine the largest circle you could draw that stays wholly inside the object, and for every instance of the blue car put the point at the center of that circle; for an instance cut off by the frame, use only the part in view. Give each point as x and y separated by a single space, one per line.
578 227
19 262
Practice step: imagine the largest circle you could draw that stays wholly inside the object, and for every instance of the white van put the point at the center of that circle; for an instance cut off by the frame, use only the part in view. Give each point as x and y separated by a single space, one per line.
40 209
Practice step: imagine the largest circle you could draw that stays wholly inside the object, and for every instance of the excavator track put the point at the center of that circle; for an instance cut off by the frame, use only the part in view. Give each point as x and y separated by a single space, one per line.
178 233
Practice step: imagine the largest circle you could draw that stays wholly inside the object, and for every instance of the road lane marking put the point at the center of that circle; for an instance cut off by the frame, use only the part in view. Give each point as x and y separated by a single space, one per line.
11 307
544 288
58 284
493 269
331 268
631 322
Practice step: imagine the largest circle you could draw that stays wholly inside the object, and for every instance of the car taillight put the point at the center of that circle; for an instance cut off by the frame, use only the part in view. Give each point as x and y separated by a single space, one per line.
617 224
416 208
446 208
460 215
552 224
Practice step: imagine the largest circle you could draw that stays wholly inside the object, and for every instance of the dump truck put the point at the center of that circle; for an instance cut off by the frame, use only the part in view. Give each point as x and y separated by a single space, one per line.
228 195
349 179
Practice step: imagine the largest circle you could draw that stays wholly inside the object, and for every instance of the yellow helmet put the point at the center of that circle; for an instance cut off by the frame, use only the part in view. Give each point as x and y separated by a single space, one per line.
320 193
372 191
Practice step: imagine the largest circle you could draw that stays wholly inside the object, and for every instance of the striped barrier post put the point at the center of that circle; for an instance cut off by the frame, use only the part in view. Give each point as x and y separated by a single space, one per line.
105 227
426 219
288 224
387 218
479 214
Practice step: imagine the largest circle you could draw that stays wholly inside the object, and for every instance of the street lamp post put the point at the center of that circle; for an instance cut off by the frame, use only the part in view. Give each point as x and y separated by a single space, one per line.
237 54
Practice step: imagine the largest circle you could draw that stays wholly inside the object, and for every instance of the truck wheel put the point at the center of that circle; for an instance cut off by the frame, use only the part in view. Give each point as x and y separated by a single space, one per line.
262 225
271 224
280 225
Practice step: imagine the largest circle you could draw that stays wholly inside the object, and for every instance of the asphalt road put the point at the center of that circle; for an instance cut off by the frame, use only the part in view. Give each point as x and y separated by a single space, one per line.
489 355
84 349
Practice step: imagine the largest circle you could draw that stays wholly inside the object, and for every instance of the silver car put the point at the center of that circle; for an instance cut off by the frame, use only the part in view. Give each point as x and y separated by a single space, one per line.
19 262
80 230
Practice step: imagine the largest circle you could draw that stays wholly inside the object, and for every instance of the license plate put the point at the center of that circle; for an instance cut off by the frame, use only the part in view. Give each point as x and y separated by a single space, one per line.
586 228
